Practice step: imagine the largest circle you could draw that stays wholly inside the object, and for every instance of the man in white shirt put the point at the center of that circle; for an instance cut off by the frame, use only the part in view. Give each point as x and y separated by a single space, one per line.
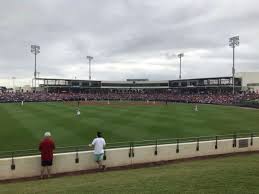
99 144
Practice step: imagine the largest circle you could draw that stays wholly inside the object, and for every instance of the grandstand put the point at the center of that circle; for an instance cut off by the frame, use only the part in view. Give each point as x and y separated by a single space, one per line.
2 89
200 85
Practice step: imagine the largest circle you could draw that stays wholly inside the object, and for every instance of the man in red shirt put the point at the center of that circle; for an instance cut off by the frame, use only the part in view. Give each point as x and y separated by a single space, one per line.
46 147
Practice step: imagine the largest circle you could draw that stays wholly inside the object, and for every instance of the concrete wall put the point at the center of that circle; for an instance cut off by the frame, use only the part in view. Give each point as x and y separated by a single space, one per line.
30 166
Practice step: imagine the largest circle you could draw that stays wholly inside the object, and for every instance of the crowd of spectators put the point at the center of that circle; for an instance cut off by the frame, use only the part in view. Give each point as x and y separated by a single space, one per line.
209 98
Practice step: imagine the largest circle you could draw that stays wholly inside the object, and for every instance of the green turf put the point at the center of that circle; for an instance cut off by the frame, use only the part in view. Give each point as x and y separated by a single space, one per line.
236 174
23 127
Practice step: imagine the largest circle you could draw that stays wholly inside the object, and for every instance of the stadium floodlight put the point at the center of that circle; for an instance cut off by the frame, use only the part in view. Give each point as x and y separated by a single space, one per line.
35 49
90 58
180 56
233 42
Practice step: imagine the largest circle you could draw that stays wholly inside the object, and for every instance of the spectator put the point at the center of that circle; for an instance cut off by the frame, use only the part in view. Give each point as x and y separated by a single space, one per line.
46 147
205 97
99 144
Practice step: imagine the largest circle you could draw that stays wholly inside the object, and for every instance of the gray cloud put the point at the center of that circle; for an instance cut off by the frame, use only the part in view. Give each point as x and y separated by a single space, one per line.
127 38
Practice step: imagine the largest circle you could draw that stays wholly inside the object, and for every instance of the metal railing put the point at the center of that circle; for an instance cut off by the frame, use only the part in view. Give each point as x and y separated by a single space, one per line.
132 144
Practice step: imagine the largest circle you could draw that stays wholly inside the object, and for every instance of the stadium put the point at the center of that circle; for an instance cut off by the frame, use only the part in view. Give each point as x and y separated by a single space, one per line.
134 114
122 109
146 120
145 123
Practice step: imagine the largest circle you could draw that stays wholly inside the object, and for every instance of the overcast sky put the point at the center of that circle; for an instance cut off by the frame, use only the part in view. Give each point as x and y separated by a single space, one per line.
127 38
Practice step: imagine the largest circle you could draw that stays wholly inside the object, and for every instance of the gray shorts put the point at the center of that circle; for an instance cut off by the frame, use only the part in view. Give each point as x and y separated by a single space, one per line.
98 157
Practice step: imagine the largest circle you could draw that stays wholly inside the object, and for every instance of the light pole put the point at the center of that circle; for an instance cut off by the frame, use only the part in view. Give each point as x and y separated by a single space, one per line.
180 56
90 58
13 78
233 42
35 49
38 75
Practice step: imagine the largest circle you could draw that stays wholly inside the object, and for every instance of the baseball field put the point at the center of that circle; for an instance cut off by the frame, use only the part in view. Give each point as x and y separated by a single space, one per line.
22 127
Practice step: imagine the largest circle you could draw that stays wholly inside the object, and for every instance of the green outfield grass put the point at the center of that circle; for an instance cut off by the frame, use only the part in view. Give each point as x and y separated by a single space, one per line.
236 174
23 127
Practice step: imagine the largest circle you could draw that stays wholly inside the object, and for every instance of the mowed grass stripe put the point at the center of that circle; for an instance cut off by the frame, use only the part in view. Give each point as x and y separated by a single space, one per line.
39 118
50 119
130 123
86 125
13 132
67 126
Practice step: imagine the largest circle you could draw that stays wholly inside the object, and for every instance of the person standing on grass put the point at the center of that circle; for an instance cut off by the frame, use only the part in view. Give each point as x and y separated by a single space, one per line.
99 144
46 147
78 112
196 108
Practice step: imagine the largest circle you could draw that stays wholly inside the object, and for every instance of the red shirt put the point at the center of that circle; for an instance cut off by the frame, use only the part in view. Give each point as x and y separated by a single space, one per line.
46 148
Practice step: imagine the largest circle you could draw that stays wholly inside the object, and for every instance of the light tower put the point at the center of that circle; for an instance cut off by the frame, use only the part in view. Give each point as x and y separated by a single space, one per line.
180 56
13 78
233 42
35 49
38 75
90 58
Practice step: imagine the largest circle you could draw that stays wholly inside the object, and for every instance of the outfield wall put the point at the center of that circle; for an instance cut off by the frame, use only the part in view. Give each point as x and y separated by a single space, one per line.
66 162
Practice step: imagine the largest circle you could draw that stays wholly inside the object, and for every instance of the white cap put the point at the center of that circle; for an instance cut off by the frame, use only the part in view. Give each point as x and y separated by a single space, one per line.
47 134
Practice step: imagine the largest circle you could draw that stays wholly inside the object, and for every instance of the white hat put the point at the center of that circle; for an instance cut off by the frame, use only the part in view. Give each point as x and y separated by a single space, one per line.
47 134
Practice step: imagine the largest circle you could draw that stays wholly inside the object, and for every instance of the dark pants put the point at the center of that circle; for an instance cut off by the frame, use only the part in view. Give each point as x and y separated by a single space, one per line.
46 163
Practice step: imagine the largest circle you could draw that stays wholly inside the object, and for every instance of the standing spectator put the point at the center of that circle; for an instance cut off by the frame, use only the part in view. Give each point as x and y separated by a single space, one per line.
46 147
99 144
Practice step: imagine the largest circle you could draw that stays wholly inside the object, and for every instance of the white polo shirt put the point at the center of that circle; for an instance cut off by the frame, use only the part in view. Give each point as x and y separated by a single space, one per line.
98 144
